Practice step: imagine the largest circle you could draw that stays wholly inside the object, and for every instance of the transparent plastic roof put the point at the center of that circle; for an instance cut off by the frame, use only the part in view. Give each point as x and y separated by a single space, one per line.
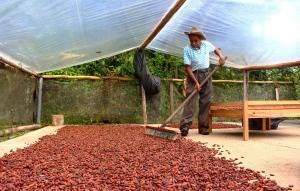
248 31
47 35
51 34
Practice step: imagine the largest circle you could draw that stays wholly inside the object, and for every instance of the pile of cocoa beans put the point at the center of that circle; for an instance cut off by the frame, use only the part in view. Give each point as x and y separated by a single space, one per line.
122 157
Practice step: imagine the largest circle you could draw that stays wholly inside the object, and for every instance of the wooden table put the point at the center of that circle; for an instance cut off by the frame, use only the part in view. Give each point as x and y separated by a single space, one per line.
254 109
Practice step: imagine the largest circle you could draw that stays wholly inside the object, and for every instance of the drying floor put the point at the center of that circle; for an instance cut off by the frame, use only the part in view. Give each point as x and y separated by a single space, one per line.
122 157
275 152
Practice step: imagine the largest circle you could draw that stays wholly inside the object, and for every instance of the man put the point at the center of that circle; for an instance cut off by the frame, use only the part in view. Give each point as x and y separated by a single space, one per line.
196 65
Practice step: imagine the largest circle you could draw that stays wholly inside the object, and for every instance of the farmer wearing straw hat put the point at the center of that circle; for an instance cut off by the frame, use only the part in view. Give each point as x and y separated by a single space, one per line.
196 65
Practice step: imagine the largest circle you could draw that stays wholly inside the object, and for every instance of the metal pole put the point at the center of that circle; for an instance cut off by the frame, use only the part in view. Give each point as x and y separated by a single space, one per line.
39 101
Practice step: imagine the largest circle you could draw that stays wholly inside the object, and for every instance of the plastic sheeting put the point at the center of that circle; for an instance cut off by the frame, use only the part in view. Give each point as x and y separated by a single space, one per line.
48 35
248 31
52 34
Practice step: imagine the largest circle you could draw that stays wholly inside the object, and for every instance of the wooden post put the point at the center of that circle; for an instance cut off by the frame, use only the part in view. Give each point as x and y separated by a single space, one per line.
39 101
276 94
162 23
144 105
171 97
245 113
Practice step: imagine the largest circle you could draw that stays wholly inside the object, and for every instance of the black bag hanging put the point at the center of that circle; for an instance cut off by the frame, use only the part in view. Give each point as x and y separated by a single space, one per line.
151 84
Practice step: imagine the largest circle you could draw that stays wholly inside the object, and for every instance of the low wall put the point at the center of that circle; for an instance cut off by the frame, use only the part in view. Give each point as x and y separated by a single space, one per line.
17 95
119 101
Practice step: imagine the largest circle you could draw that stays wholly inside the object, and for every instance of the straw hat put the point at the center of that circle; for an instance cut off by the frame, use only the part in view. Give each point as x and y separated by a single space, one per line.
196 31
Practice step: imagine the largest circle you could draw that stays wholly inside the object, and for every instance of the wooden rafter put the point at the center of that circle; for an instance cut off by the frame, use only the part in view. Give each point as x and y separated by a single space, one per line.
272 66
162 23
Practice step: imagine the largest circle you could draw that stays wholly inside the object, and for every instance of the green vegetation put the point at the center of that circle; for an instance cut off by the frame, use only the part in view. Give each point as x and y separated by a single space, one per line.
168 66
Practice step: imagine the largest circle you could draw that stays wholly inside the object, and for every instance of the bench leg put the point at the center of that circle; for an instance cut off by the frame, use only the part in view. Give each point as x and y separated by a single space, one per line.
269 124
246 128
264 124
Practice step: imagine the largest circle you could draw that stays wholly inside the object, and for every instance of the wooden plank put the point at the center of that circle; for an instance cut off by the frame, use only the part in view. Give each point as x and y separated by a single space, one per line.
273 107
162 23
228 113
271 66
144 105
274 113
227 108
281 102
245 112
227 103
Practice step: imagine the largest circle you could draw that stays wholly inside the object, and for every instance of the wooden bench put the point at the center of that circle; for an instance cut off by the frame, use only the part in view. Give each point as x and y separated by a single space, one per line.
254 109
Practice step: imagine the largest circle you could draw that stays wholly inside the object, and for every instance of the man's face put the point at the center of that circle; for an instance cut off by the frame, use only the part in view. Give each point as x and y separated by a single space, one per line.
195 41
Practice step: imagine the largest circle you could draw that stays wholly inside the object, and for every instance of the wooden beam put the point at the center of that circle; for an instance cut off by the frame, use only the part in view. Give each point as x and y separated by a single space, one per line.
245 112
88 77
272 66
162 23
252 82
164 79
172 97
19 67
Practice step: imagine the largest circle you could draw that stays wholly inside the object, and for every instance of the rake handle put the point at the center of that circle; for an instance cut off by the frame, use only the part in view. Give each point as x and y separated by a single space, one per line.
188 98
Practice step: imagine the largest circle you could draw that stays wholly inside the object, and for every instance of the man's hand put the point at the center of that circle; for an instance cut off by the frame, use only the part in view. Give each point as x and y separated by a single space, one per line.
222 60
221 56
197 87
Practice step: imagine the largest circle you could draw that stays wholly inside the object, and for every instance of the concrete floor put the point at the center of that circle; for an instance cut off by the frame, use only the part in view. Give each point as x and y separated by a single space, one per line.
275 152
27 139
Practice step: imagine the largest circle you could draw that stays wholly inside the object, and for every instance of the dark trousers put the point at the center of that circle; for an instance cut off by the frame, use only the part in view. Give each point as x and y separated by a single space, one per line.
204 101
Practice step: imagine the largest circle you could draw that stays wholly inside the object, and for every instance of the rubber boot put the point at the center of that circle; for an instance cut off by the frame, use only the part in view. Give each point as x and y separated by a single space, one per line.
184 129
